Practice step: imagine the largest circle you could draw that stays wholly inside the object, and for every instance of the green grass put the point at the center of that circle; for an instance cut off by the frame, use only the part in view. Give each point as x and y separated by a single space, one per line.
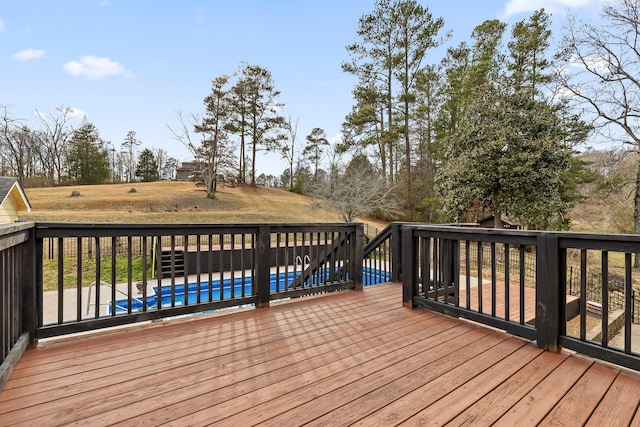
88 271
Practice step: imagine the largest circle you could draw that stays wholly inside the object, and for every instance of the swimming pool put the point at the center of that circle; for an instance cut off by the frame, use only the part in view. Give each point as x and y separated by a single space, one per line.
277 282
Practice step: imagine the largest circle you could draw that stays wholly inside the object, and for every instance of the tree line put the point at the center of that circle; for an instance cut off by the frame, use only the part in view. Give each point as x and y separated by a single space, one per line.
494 127
61 151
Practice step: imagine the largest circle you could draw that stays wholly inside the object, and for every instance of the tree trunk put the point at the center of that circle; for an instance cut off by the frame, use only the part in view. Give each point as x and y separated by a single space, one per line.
497 220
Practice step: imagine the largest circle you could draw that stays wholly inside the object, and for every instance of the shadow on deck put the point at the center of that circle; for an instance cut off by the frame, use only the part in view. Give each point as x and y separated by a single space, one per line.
352 357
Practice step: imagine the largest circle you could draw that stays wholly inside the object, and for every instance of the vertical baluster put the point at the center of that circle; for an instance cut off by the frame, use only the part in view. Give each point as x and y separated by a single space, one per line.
98 258
198 269
507 284
222 267
523 271
480 261
79 278
605 298
145 273
112 281
278 260
493 279
232 255
467 266
60 280
628 309
185 269
243 267
210 265
173 270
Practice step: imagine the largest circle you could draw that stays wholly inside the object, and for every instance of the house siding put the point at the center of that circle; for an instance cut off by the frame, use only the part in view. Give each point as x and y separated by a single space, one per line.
8 211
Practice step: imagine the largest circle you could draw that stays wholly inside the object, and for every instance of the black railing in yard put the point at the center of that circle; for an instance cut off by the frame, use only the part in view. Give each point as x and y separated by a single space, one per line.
441 273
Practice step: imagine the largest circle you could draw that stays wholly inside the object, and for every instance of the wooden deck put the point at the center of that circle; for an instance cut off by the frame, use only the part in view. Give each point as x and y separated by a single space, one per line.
340 359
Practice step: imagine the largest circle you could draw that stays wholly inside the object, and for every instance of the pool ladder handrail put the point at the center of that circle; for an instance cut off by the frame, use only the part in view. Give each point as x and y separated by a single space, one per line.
93 284
299 261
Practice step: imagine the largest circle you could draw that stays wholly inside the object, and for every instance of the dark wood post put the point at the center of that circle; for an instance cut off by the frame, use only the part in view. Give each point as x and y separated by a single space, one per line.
409 261
32 285
356 257
396 252
263 268
548 292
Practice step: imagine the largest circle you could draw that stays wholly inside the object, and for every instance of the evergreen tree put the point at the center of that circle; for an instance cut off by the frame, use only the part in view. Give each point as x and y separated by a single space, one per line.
88 159
512 152
147 169
316 140
256 112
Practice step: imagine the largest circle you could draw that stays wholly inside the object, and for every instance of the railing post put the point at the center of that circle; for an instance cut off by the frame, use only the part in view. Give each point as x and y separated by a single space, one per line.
548 292
263 268
32 284
409 277
357 255
396 252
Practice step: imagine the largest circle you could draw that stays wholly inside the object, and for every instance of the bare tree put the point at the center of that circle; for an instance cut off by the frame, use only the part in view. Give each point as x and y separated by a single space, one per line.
607 85
359 190
290 151
129 150
57 131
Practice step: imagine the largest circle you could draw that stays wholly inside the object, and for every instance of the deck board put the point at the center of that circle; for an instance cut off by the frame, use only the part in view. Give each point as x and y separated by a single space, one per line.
348 358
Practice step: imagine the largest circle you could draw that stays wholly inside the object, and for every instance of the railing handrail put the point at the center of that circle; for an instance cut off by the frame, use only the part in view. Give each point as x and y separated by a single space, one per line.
440 289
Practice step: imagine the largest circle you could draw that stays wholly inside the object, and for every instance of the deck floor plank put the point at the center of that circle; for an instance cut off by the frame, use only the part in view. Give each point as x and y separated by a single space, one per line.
618 406
339 359
534 406
493 405
443 410
578 404
329 394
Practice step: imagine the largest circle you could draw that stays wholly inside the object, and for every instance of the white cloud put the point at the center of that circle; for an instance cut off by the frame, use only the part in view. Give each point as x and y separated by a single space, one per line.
514 7
1 26
28 54
94 67
76 113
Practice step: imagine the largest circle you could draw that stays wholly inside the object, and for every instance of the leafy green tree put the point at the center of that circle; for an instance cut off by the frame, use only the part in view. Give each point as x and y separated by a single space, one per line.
147 169
512 153
214 155
372 59
417 32
256 113
316 141
387 59
88 159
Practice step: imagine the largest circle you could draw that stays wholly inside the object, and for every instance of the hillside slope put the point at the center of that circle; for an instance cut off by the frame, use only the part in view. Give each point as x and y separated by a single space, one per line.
173 202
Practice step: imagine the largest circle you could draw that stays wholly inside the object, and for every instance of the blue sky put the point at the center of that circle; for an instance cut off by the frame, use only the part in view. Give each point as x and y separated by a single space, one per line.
133 64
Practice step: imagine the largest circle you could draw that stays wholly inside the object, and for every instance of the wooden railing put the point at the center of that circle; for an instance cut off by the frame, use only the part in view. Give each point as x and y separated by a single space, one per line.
63 278
149 272
441 273
16 299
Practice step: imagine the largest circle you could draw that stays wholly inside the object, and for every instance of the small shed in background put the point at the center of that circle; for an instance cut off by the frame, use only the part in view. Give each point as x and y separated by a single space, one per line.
12 200
507 223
